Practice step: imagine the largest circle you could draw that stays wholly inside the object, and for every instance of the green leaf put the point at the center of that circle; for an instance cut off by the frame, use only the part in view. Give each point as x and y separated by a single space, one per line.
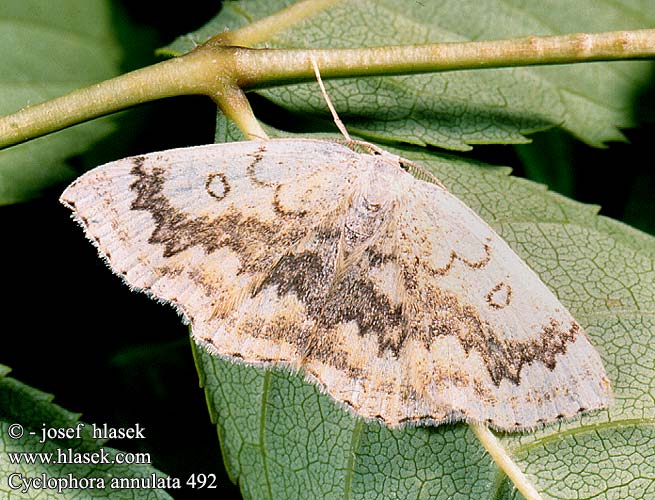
602 270
48 49
456 109
283 439
23 407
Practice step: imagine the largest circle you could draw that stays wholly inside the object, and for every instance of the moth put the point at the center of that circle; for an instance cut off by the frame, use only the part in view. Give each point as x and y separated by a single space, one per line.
331 258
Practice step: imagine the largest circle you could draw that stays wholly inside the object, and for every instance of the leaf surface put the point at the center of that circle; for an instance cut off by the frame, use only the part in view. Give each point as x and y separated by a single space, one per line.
282 436
454 110
283 439
46 50
33 410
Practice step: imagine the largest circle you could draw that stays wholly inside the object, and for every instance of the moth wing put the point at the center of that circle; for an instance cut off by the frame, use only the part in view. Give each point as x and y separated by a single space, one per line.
515 356
433 318
197 226
389 292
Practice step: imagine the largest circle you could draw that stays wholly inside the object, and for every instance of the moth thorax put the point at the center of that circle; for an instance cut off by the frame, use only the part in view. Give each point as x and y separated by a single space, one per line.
366 216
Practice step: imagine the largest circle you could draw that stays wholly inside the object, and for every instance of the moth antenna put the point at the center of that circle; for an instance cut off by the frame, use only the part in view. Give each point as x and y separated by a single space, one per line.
410 166
335 116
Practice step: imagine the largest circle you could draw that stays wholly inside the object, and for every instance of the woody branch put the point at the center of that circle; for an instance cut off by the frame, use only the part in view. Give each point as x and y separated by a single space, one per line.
224 72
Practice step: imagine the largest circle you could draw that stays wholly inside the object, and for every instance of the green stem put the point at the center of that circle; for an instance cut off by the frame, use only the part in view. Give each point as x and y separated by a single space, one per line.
216 71
264 29
505 462
267 67
232 101
184 75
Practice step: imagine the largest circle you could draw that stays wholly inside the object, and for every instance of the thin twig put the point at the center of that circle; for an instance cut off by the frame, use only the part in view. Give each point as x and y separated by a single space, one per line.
287 65
213 70
505 462
264 29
